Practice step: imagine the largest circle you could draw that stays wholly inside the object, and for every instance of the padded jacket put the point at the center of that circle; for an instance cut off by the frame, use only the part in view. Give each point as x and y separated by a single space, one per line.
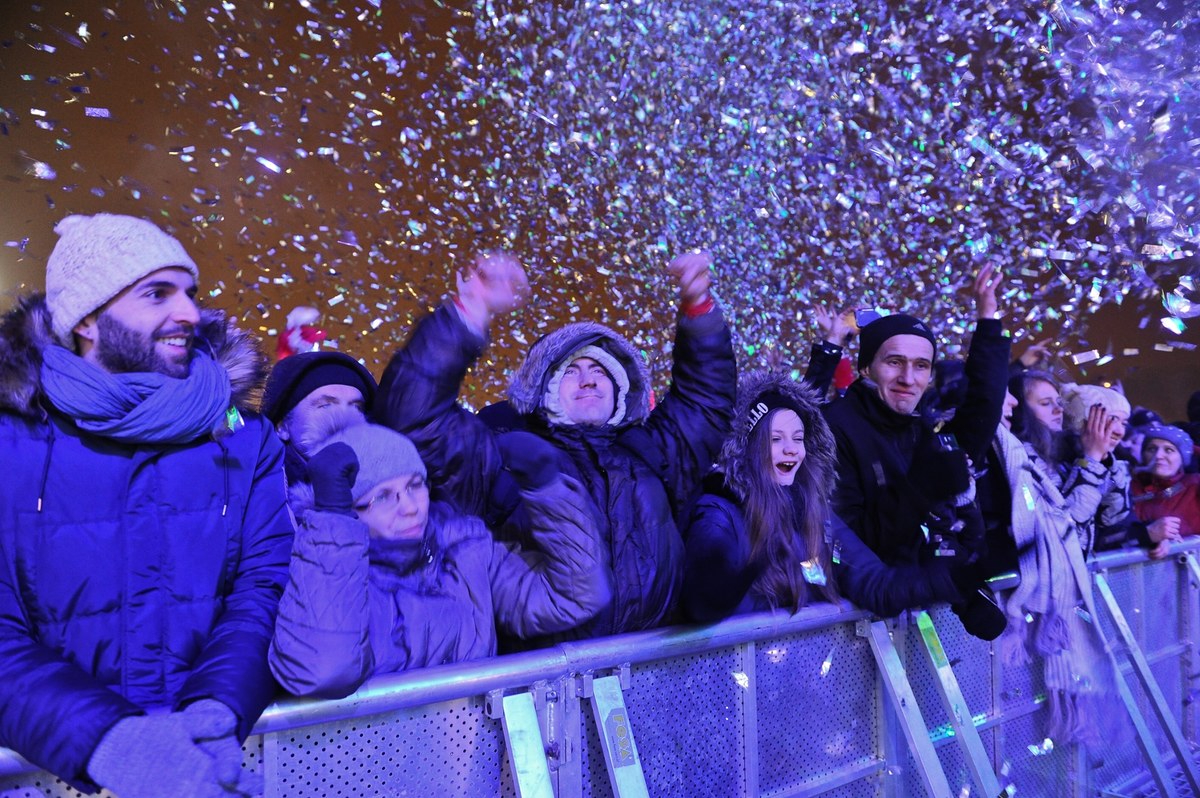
131 577
639 474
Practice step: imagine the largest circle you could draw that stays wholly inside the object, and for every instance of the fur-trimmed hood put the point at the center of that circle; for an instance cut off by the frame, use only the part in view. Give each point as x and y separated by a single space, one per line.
25 332
528 384
819 445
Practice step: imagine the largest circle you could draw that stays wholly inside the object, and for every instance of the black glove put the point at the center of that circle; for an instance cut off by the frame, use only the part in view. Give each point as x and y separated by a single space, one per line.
332 472
532 461
940 473
979 613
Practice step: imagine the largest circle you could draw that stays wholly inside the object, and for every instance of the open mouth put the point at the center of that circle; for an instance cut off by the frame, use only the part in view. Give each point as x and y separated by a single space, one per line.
786 466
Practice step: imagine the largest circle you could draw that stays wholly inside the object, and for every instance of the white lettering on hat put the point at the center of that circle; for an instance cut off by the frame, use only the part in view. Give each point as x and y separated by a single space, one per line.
756 414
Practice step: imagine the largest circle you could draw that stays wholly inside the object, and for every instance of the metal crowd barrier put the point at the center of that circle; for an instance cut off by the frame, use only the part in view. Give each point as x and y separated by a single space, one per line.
827 702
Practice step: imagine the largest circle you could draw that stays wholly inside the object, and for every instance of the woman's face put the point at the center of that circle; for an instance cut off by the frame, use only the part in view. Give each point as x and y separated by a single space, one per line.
396 509
1161 456
1120 421
1044 404
787 446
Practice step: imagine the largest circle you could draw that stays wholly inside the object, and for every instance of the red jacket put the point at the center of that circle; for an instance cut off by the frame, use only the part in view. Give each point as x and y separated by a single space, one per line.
1155 498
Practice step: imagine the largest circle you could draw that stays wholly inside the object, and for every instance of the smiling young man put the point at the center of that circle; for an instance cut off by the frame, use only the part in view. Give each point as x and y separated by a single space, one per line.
894 465
586 390
144 539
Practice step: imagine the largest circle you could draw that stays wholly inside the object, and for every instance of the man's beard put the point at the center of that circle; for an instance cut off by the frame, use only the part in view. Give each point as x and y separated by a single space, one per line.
120 350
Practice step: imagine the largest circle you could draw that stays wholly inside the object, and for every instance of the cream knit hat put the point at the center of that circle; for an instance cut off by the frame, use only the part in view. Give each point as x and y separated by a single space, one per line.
1078 400
99 256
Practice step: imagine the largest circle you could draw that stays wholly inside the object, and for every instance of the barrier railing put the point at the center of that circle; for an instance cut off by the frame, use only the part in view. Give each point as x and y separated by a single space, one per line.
826 702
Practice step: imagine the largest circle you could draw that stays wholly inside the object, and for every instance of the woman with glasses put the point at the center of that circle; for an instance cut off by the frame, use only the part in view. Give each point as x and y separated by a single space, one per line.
382 579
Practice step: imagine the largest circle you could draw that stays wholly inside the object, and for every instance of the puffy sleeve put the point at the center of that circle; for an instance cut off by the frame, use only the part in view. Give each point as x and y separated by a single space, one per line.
566 579
322 642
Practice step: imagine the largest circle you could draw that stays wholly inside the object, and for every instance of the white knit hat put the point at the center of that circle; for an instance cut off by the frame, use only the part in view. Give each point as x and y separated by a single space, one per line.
1078 400
99 256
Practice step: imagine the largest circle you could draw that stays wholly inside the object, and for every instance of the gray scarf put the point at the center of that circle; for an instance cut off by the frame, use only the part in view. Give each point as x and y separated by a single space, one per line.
1052 612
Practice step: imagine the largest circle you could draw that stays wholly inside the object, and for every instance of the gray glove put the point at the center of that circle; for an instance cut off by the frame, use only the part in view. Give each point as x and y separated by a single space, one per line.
213 727
153 755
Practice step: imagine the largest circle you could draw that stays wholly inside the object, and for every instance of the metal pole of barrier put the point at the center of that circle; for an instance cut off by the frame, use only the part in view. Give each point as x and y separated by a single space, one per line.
916 733
1189 604
616 739
750 718
1149 752
956 707
523 737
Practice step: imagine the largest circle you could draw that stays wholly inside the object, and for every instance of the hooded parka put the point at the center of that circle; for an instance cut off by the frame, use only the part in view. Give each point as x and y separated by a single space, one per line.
638 473
131 576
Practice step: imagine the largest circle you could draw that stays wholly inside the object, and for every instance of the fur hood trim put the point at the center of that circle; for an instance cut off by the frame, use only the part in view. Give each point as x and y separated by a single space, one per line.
528 384
26 331
819 446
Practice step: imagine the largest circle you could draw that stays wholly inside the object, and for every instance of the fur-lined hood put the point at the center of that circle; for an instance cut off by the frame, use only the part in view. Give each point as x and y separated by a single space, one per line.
819 445
528 385
25 332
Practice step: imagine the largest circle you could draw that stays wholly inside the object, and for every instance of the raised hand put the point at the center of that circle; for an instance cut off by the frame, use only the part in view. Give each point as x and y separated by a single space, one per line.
986 284
836 328
1097 432
494 284
693 276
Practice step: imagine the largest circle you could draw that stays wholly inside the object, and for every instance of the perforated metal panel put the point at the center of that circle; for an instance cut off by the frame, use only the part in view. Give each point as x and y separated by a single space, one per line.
970 658
1028 765
818 711
441 749
687 717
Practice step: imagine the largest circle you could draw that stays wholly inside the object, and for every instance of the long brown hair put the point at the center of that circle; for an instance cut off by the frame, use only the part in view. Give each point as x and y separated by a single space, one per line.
786 524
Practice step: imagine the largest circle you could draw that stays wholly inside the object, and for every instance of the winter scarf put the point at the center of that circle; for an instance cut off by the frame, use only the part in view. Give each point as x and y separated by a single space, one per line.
140 407
1052 612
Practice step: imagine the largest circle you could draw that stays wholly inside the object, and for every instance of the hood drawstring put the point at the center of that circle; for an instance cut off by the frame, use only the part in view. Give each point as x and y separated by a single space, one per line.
225 473
50 438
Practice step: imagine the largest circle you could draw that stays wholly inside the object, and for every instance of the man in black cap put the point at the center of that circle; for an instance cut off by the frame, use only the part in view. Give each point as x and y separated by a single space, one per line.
304 388
900 474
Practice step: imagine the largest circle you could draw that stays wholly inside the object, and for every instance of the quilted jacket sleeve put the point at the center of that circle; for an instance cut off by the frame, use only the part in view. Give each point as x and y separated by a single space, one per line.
566 580
418 397
689 425
322 642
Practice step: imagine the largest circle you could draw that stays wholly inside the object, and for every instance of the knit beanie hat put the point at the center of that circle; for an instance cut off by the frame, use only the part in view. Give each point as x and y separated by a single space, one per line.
296 376
1172 434
1078 400
872 336
96 258
767 401
616 372
382 454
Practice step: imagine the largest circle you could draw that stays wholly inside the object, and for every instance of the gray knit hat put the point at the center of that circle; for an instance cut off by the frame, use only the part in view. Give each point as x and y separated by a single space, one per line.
96 258
382 454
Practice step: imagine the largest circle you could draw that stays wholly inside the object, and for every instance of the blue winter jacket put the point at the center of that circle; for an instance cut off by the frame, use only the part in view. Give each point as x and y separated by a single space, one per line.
640 473
130 577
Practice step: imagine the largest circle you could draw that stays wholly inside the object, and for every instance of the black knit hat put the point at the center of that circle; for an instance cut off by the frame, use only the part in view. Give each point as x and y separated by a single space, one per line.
295 377
871 337
767 401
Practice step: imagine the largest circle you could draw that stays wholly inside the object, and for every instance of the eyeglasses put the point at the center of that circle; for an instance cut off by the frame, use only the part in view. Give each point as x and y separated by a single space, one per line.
388 498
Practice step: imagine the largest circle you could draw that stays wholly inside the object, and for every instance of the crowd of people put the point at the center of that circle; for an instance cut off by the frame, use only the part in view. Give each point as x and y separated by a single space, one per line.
174 554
